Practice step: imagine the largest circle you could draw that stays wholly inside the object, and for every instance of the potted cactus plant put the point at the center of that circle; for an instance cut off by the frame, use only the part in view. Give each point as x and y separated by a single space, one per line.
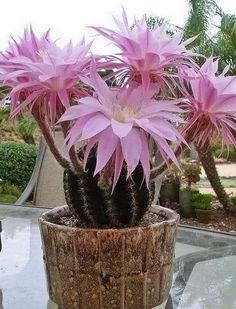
169 192
109 247
202 204
191 172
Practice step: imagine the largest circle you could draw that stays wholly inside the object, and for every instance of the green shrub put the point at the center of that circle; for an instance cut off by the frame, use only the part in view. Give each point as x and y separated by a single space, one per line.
7 199
26 128
4 113
17 162
6 188
201 201
233 199
228 153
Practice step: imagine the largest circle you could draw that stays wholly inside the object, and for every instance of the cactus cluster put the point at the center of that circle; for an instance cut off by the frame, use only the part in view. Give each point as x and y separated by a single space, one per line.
97 207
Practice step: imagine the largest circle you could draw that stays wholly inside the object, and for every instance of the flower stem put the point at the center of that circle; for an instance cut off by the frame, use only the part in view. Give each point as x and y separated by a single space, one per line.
49 138
77 164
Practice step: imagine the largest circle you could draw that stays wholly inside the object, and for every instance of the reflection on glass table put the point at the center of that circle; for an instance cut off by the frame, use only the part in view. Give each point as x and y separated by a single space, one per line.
204 274
205 279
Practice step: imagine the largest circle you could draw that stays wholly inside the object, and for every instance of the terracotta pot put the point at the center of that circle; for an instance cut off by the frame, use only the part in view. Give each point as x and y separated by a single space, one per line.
108 268
203 215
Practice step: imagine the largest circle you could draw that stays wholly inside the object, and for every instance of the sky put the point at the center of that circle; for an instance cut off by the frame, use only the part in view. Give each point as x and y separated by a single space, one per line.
68 19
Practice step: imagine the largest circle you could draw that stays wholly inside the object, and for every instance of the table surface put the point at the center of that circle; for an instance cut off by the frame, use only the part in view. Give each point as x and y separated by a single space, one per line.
204 271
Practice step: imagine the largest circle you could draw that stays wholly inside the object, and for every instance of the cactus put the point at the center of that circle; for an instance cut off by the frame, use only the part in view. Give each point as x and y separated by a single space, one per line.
97 207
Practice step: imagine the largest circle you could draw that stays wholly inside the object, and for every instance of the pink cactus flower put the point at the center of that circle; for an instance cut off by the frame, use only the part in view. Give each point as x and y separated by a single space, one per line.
121 122
40 72
147 55
212 106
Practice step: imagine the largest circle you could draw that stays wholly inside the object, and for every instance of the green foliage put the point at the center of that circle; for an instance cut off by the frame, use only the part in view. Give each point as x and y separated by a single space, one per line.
6 188
4 113
26 126
201 201
17 162
191 172
222 43
228 153
4 90
233 200
226 43
198 21
7 199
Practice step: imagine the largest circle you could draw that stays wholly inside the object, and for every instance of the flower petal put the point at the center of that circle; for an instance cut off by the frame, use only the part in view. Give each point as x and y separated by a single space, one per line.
119 159
131 148
94 125
121 129
145 157
106 147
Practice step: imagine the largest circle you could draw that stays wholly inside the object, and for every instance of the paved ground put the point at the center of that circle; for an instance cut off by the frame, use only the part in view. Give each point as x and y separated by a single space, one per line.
231 191
224 170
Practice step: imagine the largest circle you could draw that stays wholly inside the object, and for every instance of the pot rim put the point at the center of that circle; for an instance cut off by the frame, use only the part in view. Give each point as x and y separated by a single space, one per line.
172 218
202 210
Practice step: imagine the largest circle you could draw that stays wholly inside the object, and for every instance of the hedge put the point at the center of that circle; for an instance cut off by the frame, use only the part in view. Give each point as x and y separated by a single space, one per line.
17 161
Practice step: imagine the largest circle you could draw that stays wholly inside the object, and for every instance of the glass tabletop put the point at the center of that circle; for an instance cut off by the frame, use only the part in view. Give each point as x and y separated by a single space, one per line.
204 271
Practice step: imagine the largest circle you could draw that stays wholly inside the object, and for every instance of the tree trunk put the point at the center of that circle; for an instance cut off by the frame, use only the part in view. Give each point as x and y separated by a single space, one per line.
208 163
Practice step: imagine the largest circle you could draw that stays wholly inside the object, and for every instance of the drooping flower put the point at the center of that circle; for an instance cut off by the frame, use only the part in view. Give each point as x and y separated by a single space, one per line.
40 72
148 55
212 107
121 122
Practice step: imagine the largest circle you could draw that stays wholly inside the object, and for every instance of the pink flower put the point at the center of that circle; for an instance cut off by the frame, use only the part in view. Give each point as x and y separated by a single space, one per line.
212 106
121 122
42 73
148 55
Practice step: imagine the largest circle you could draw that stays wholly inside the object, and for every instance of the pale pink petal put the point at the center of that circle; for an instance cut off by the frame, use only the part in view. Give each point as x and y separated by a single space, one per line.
121 129
32 97
119 159
131 148
92 142
106 147
145 157
76 131
63 96
94 125
77 111
161 143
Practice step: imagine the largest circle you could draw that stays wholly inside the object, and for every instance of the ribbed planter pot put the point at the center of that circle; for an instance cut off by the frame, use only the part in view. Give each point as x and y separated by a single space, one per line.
203 215
186 208
169 193
108 268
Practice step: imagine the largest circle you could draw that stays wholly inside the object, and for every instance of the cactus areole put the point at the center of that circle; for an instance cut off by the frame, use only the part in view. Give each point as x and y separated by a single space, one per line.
117 112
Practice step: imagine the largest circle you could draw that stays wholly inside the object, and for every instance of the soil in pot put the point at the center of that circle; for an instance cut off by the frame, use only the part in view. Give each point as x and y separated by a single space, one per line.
185 200
129 268
203 215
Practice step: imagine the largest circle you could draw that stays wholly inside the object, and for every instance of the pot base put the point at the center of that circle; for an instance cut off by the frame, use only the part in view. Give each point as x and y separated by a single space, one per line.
128 268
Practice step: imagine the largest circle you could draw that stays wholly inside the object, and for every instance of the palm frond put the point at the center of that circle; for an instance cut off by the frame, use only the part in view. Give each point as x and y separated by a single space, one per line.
198 21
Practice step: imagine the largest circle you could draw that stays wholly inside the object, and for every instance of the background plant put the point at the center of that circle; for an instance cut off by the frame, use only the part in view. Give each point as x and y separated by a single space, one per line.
26 127
17 161
191 172
201 201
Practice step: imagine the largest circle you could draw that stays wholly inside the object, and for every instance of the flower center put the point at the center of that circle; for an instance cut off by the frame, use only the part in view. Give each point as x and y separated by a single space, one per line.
124 113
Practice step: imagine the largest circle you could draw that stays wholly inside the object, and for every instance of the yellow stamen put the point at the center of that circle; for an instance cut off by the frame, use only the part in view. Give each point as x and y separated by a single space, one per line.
122 114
